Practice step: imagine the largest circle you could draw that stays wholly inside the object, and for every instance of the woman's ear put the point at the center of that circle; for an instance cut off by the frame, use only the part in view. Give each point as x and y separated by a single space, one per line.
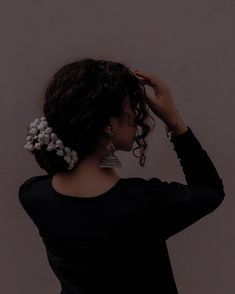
112 127
108 130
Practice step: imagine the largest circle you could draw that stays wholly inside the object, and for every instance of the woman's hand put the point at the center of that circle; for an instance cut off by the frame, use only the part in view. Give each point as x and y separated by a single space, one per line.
162 104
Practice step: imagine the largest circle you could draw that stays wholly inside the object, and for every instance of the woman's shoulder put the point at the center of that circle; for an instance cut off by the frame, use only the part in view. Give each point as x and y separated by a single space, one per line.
32 179
140 183
143 180
27 184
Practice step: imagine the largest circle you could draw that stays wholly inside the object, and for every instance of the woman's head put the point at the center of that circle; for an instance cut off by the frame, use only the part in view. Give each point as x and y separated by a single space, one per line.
84 100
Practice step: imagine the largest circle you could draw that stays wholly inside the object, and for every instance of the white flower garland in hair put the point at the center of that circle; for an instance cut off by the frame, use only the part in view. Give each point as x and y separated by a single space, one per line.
40 134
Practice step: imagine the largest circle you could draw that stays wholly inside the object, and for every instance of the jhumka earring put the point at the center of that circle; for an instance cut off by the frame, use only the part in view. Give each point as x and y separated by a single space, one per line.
110 159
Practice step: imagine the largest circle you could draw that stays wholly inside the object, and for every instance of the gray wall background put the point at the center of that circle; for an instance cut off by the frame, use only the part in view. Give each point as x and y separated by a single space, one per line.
190 46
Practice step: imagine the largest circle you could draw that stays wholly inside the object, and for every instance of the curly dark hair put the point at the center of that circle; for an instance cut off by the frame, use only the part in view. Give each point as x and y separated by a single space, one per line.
80 99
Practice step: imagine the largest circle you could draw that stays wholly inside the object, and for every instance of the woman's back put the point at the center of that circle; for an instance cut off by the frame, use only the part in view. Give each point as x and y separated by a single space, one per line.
116 242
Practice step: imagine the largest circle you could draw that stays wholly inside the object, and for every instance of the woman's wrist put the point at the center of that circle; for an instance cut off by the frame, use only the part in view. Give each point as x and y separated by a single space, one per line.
179 127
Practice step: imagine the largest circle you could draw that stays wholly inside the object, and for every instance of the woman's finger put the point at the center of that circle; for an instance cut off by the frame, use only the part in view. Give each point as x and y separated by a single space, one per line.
149 79
153 81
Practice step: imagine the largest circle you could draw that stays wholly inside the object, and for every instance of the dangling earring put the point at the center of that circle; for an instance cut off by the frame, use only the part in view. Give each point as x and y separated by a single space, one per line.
110 159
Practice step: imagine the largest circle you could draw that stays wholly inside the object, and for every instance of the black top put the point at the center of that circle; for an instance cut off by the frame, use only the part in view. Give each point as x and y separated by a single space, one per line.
116 242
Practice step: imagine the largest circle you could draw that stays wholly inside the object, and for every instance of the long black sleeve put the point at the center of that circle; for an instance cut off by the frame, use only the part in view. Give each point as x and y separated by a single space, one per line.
181 205
197 166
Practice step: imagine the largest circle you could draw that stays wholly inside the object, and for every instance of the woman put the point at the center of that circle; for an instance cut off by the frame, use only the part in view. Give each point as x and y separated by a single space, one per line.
103 233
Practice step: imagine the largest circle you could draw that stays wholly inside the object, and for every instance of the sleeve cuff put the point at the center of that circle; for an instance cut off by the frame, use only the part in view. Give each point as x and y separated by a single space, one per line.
187 145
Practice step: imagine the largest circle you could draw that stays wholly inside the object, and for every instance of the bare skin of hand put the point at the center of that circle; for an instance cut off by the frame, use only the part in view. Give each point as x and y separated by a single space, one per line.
162 104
